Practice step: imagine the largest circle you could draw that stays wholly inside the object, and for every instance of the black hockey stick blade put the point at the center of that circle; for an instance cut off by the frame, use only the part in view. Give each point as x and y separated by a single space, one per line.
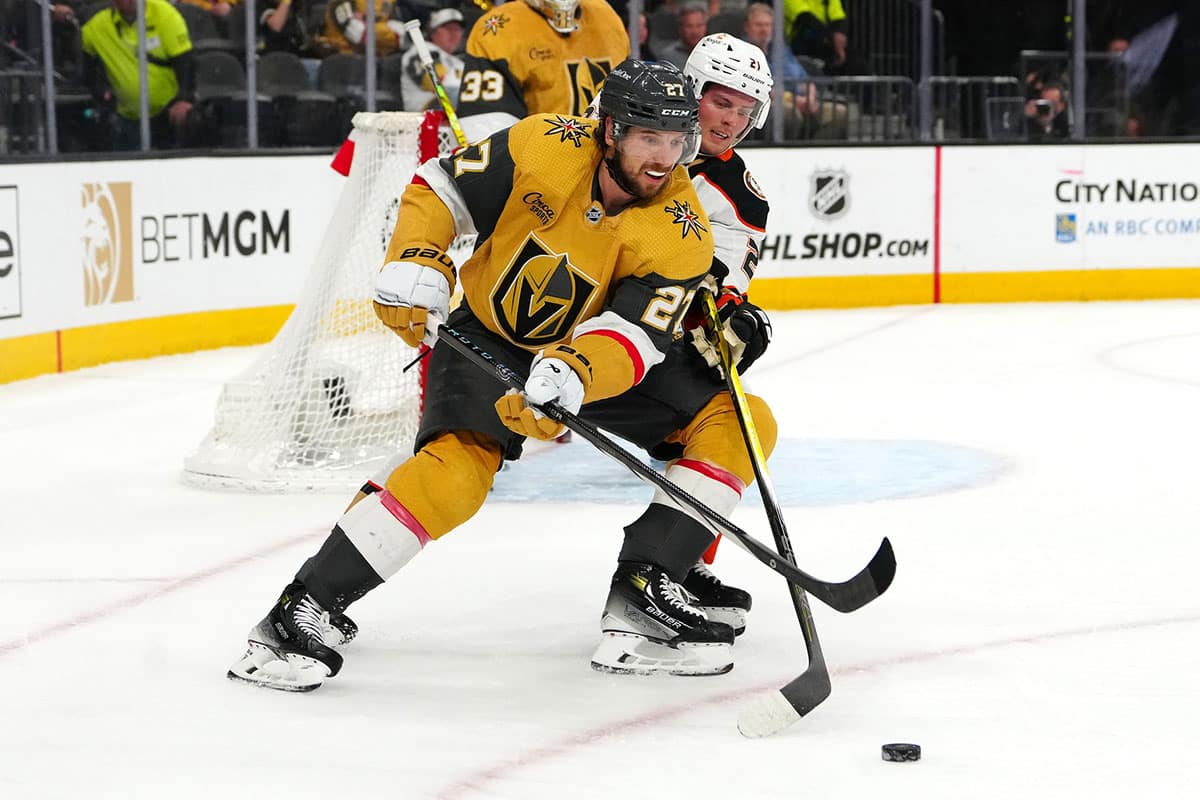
811 687
846 596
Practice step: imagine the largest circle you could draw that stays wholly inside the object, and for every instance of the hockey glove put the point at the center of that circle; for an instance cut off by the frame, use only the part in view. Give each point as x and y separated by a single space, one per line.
747 330
551 379
413 300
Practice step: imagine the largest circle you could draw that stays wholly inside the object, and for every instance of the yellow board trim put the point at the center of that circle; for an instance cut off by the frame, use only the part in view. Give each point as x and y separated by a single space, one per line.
854 291
842 292
1070 285
38 354
29 356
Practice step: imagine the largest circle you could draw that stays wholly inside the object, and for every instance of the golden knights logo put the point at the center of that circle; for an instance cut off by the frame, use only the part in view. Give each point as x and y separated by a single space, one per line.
585 77
567 129
541 294
684 216
493 24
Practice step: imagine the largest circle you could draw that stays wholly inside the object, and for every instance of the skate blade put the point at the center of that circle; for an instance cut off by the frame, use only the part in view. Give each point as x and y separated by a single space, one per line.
270 668
732 616
631 654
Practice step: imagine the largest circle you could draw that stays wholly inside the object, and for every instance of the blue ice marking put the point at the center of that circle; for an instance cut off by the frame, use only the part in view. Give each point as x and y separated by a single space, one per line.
806 472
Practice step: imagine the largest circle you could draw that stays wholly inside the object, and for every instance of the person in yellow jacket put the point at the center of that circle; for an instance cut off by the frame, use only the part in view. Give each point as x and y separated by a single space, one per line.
110 47
590 245
818 28
220 10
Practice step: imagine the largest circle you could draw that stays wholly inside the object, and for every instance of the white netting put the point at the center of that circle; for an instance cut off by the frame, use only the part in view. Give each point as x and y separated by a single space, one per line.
328 402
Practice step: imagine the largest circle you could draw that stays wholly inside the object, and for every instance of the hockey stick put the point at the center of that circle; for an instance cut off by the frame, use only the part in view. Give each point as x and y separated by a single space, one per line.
423 55
847 596
810 689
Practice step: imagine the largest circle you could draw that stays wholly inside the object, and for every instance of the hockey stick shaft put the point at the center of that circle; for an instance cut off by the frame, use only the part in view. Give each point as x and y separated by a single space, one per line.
813 685
845 597
426 58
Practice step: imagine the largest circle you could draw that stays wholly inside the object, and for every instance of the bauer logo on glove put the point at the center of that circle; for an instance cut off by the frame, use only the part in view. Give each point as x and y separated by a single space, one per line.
412 298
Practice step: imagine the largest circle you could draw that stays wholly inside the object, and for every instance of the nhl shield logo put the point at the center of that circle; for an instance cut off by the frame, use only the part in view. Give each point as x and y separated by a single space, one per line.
829 194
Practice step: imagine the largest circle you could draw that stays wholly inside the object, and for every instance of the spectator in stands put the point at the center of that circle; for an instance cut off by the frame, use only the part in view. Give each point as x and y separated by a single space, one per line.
111 69
818 29
444 32
1160 40
758 28
346 27
220 10
282 26
21 29
693 26
1046 114
645 49
807 116
726 16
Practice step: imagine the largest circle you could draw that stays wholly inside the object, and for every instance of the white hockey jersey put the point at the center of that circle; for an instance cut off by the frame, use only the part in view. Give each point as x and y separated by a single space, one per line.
737 209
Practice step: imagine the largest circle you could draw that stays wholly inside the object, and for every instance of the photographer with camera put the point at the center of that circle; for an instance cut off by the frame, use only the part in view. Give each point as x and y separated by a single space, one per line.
1047 114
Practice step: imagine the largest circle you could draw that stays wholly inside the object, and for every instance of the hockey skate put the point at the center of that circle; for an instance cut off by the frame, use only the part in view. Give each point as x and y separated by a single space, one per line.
288 650
649 628
720 602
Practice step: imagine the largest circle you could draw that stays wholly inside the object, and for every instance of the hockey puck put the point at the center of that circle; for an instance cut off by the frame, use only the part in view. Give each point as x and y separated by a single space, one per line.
901 752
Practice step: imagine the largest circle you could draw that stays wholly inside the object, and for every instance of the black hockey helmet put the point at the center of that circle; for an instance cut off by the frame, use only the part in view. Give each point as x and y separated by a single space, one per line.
656 96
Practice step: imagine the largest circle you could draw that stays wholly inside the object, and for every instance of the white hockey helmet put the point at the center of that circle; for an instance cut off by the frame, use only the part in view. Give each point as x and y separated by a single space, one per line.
728 61
563 15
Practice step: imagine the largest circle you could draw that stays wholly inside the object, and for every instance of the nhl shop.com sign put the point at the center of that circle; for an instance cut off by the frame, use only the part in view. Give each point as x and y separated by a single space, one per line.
10 253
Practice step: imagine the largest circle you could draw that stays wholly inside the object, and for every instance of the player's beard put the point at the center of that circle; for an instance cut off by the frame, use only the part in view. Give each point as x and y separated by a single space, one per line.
634 181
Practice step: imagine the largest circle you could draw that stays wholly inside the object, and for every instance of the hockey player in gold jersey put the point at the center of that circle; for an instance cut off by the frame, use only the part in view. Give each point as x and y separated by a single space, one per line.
590 245
537 57
733 84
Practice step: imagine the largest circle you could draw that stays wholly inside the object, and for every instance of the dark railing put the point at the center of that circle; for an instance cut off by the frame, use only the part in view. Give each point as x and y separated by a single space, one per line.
859 108
885 37
977 108
22 111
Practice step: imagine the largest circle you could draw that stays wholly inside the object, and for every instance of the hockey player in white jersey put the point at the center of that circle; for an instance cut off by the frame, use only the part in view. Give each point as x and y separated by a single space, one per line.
733 83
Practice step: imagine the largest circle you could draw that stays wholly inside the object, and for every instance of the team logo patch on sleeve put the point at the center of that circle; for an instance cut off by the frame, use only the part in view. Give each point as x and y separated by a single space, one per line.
567 129
688 219
753 186
493 24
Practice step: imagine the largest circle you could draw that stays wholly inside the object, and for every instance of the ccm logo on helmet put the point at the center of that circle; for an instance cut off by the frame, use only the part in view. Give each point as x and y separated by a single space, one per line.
675 112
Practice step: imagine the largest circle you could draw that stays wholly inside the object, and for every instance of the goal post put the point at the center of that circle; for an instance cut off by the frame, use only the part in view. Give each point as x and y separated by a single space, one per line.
327 401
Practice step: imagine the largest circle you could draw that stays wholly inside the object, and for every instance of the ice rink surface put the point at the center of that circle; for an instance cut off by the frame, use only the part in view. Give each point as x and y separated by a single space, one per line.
1035 466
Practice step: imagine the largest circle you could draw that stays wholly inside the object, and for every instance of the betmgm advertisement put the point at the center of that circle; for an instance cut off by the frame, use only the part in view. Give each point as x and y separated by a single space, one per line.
120 241
845 212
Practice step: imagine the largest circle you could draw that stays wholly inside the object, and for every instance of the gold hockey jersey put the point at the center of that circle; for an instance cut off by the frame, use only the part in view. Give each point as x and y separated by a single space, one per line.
550 266
517 65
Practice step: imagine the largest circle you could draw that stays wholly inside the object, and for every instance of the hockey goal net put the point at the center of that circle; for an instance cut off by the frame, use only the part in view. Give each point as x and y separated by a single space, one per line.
328 401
